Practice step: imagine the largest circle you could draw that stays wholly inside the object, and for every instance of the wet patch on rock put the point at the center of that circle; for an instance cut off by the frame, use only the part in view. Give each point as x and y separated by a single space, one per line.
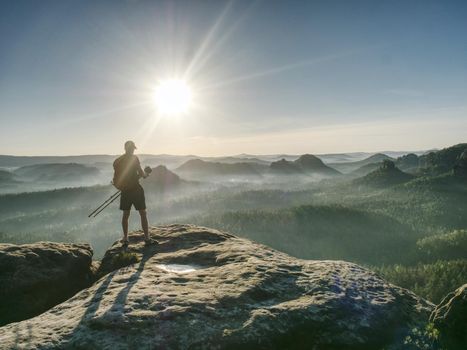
178 268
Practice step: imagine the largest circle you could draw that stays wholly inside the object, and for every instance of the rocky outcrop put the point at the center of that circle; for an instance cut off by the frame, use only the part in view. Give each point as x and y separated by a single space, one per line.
312 164
450 318
36 277
408 162
205 289
285 167
348 167
386 175
306 164
163 178
442 161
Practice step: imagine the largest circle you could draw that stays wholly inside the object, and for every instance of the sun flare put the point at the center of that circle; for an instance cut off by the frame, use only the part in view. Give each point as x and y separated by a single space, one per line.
173 96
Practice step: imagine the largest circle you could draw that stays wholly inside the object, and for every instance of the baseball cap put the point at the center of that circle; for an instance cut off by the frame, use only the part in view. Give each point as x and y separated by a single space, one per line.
130 145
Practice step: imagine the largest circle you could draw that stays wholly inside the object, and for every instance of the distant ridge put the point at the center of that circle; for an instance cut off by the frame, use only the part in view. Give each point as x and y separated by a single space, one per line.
305 164
19 161
386 175
285 167
232 160
365 169
201 168
172 160
7 178
439 162
432 163
56 172
409 162
348 167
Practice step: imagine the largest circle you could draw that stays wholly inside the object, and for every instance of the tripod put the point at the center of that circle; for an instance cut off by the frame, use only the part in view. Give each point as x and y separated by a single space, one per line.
105 204
113 197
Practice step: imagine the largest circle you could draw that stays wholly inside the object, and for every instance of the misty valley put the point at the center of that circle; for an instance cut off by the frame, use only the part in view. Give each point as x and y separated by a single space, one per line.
402 215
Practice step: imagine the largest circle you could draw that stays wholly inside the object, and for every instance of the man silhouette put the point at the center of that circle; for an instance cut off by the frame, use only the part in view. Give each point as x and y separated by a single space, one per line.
127 172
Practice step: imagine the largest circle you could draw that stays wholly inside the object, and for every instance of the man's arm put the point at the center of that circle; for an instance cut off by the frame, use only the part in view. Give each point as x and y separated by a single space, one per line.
115 163
140 170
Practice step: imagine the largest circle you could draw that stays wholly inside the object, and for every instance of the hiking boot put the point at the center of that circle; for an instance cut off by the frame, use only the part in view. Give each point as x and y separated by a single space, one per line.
150 241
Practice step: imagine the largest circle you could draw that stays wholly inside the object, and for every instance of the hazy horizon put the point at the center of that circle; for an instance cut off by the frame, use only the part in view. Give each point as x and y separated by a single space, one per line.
228 155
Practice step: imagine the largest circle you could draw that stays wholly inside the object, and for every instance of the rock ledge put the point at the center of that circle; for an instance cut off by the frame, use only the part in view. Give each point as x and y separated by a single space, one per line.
205 289
35 277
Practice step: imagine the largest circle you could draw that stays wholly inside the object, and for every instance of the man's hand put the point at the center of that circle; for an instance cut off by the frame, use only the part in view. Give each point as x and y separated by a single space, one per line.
147 171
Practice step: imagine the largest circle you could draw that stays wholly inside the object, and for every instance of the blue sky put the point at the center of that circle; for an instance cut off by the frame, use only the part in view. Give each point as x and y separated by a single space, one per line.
77 77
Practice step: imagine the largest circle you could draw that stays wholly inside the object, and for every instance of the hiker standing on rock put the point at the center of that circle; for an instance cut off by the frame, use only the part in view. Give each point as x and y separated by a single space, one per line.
127 172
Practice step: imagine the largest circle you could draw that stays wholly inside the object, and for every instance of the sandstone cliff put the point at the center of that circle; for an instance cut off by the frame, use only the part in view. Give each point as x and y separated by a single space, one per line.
35 277
205 289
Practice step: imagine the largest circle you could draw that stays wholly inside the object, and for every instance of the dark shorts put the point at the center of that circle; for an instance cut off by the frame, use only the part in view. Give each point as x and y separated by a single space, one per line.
134 196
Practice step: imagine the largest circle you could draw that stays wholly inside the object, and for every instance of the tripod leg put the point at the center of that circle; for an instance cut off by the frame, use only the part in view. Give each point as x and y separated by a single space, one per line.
105 202
106 206
112 197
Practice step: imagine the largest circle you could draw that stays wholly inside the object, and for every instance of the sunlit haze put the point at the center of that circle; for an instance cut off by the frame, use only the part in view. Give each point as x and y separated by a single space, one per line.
173 97
224 78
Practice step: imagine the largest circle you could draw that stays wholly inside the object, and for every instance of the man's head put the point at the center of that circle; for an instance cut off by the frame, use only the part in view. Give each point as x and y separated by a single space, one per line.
130 147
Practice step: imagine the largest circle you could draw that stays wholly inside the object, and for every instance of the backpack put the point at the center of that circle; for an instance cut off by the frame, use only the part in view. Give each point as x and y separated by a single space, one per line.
123 177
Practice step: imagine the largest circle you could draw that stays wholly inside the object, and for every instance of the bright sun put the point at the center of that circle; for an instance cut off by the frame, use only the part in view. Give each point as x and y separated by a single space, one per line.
173 96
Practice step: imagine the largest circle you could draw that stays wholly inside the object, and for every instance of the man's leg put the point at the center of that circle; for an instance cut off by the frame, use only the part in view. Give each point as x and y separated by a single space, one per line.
144 223
125 217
